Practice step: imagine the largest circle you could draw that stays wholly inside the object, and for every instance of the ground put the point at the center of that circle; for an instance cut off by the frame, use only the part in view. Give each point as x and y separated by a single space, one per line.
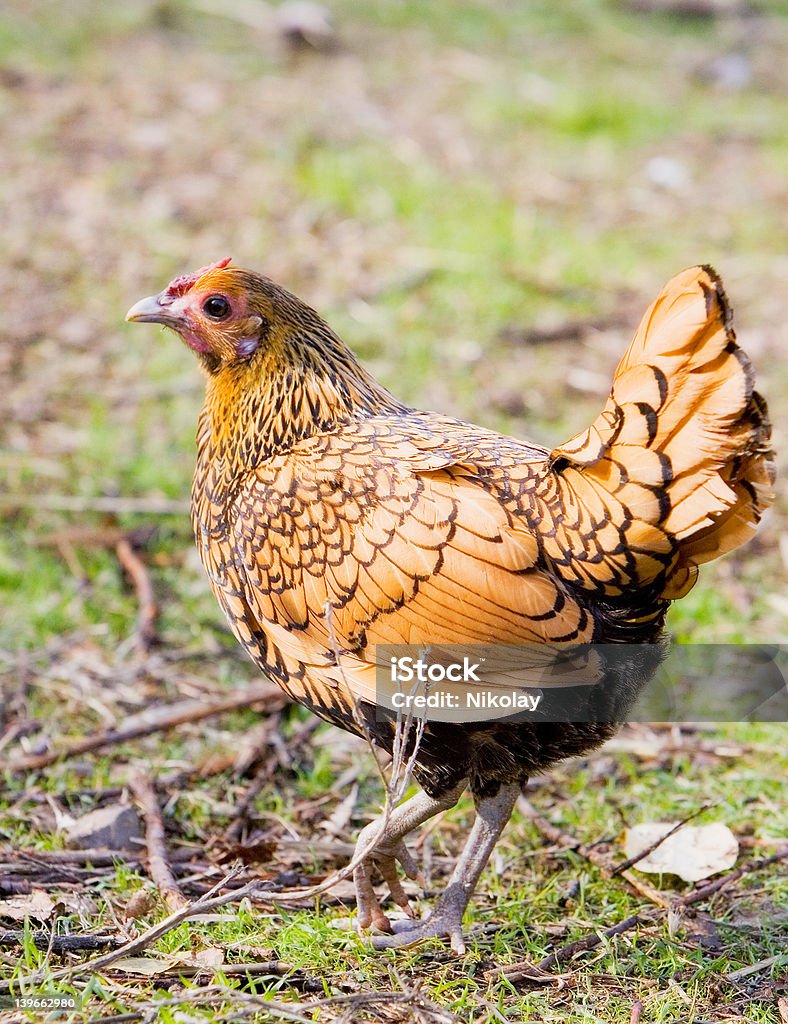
481 198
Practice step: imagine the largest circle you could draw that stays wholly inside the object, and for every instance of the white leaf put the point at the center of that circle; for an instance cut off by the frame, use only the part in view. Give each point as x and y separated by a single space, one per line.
693 852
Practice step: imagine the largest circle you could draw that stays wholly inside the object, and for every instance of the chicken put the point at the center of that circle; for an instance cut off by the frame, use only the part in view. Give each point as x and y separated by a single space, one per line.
333 520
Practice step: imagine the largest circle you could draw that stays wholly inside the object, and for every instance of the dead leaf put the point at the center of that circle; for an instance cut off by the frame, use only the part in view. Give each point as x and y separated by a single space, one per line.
38 905
211 956
255 951
146 966
141 903
693 852
149 966
259 851
702 929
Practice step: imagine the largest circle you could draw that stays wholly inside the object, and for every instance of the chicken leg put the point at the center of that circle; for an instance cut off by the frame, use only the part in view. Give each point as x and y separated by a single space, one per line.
390 850
446 917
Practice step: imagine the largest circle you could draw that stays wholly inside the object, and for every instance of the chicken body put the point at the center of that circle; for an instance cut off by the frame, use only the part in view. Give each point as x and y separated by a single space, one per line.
333 520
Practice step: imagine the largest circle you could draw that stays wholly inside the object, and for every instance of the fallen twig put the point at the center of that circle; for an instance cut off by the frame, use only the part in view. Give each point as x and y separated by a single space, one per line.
636 1013
142 789
119 1018
568 330
592 854
559 837
138 574
206 903
254 969
761 965
692 8
240 818
16 730
95 858
265 770
245 1004
178 714
587 942
94 536
58 943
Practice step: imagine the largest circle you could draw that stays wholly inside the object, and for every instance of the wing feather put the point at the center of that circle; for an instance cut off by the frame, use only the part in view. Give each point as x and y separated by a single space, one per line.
405 552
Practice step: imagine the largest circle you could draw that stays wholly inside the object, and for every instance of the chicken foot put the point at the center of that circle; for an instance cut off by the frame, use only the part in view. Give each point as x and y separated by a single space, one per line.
390 850
446 917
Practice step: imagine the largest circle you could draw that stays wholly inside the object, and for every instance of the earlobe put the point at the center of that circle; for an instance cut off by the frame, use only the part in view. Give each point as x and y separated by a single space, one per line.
246 346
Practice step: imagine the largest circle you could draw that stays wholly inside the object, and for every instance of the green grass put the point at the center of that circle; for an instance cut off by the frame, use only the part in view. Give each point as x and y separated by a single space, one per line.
453 170
533 899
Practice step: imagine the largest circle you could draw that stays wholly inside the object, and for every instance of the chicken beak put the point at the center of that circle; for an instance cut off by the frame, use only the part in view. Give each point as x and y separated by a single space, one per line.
151 311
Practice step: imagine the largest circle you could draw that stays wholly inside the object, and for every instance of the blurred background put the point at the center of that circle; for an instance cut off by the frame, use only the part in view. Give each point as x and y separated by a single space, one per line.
481 197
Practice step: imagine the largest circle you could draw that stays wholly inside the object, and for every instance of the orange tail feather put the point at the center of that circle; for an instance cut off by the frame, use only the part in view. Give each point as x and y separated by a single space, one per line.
680 454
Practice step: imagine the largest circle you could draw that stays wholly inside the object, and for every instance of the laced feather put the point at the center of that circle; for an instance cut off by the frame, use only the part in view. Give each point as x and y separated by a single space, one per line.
682 445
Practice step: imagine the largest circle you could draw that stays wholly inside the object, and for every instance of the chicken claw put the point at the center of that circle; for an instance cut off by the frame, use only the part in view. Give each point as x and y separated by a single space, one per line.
445 921
386 850
446 918
385 860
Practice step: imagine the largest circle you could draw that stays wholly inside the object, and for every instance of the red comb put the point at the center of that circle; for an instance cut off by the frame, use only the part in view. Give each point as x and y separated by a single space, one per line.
181 285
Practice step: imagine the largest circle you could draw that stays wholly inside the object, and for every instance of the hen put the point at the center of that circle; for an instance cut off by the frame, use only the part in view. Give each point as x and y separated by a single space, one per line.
331 518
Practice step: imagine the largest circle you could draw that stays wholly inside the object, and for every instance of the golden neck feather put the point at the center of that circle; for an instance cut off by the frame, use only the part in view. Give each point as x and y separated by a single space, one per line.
297 386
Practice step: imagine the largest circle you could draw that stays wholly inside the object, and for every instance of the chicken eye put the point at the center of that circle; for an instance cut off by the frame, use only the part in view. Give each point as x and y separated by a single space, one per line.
216 307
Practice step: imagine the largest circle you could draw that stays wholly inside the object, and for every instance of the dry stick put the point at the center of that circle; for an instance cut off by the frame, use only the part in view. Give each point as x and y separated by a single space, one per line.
265 771
180 714
148 610
253 969
210 901
169 781
94 536
97 858
761 965
526 971
142 789
58 943
559 837
637 1012
233 832
119 1018
277 968
410 996
243 1005
265 767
